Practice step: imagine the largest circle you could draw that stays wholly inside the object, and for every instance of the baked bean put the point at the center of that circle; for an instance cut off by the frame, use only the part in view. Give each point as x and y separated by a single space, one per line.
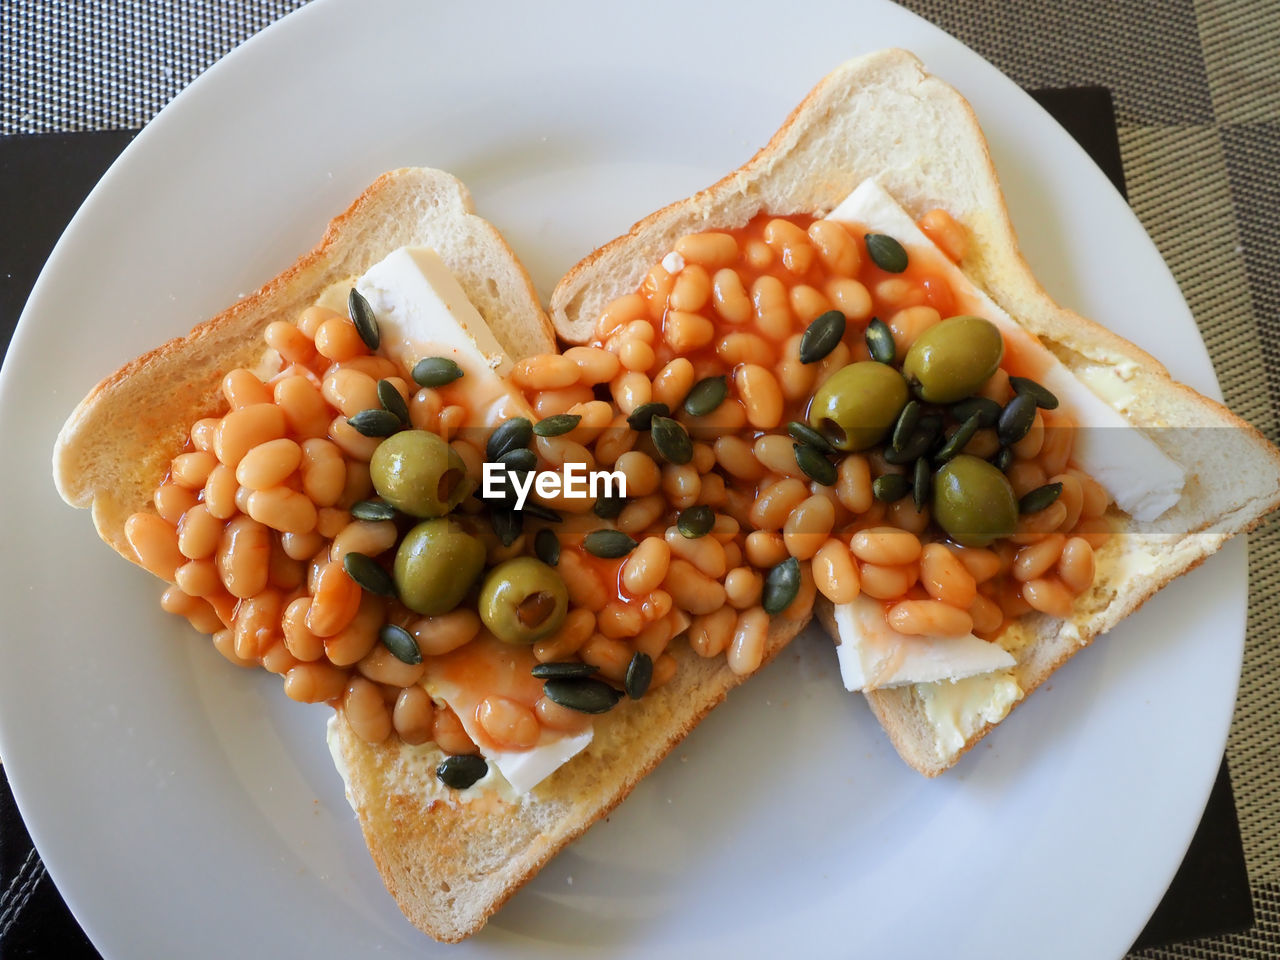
1029 446
760 395
283 509
242 498
191 470
853 484
366 711
887 582
726 418
555 717
596 416
246 428
983 445
292 344
765 549
413 715
791 244
692 289
997 387
776 453
1076 565
379 368
742 587
886 546
681 484
807 303
357 638
673 382
705 553
835 573
242 388
424 410
337 339
335 602
981 564
277 659
172 501
577 628
940 227
198 533
710 634
449 733
257 624
198 613
772 305
301 546
301 642
704 458
311 318
945 577
739 347
623 310
198 578
268 464
656 288
807 527
1072 497
725 529
617 620
796 379
713 491
545 371
641 330
690 590
929 618
224 641
508 723
802 606
1025 476
1094 496
711 249
351 441
612 656
449 422
243 556
303 406
582 581
646 567
908 324
898 292
1031 526
1036 559
350 391
730 297
639 515
656 606
746 649
204 432
776 501
1011 604
851 298
836 249
986 615
903 515
685 332
630 390
594 365
835 360
370 537
735 455
220 492
1048 595
758 254
445 632
1059 438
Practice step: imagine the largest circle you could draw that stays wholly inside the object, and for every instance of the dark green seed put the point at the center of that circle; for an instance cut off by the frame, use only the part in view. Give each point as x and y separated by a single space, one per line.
922 484
369 574
540 511
890 488
561 423
608 508
917 445
1002 459
671 441
391 400
1044 399
512 435
519 460
956 442
822 336
375 423
695 522
907 421
987 409
880 341
609 544
461 771
435 372
400 643
506 523
362 316
639 673
707 394
781 586
886 252
1039 498
806 434
584 694
373 510
643 414
547 547
816 467
1016 419
568 670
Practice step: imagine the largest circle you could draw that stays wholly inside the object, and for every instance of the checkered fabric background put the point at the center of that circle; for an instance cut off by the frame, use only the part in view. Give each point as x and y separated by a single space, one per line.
1197 91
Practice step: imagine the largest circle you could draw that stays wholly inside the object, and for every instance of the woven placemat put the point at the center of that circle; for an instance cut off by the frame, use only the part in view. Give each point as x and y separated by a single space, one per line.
1197 94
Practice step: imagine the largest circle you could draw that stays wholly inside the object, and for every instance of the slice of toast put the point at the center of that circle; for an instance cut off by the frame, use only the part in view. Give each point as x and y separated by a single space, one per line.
449 862
883 117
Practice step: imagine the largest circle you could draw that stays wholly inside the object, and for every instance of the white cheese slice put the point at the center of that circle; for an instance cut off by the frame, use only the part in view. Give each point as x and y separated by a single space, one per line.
872 654
1141 478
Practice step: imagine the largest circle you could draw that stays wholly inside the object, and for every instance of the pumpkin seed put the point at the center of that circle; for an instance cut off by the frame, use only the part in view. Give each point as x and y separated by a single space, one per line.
540 511
554 426
781 585
1045 399
584 694
816 467
880 341
639 675
642 415
988 410
461 771
519 460
362 316
670 440
707 394
886 253
369 574
391 400
608 508
957 441
435 372
890 488
609 544
922 483
1016 419
907 421
547 546
1002 459
1039 498
806 434
375 423
400 643
567 670
822 336
506 523
917 445
373 510
511 435
695 522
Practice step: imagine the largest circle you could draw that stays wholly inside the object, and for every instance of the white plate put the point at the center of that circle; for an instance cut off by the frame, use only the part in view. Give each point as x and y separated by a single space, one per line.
187 809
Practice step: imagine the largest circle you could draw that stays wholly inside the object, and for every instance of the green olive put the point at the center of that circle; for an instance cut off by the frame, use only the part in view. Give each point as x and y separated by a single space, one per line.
418 473
973 502
858 405
953 359
523 600
436 563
